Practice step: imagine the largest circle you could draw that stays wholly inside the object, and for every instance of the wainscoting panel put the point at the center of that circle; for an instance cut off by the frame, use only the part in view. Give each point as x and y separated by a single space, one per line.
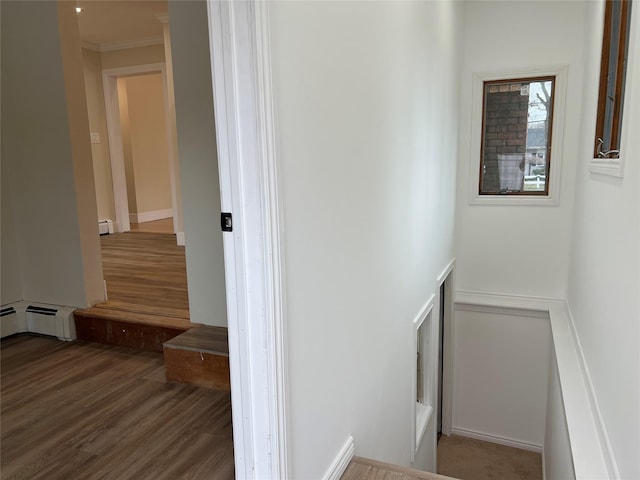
501 365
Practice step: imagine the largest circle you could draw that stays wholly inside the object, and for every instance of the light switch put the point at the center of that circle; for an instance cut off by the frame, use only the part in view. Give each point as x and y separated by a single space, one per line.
95 137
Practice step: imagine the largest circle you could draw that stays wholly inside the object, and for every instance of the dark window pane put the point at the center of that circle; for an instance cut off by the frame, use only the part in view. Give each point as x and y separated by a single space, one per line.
516 137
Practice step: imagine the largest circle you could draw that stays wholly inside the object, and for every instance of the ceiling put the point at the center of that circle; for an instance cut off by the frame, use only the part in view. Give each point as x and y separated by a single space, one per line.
106 22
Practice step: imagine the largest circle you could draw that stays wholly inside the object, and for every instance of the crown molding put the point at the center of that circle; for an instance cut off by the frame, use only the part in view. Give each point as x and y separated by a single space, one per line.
111 46
141 42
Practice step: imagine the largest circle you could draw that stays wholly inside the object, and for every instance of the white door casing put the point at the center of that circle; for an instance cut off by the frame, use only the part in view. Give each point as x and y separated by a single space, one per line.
240 62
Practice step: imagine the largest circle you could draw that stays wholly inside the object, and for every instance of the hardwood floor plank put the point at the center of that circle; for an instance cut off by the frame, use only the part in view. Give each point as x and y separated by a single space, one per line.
89 411
145 269
202 338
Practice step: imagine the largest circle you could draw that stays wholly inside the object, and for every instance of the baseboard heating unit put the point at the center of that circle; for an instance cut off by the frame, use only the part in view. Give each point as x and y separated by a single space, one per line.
105 227
53 320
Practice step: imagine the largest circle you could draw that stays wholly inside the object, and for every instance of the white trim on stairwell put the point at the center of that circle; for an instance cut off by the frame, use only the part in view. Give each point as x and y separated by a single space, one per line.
590 446
486 437
341 462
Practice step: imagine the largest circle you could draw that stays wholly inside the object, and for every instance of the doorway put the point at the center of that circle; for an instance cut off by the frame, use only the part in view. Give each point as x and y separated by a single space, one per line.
143 127
142 163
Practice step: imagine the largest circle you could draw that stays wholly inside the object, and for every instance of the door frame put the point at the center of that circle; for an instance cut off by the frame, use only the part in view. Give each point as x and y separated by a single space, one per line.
247 161
116 152
448 276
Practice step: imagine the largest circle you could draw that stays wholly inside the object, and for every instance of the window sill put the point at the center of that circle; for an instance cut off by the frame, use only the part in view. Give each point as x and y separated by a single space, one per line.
607 166
513 200
423 415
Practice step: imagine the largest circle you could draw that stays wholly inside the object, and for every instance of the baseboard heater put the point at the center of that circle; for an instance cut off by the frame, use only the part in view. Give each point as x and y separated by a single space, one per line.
53 320
105 227
7 311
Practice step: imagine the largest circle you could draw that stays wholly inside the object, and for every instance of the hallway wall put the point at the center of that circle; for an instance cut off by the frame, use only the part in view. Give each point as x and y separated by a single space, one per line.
604 280
511 249
92 62
45 139
146 131
366 104
520 250
11 279
198 162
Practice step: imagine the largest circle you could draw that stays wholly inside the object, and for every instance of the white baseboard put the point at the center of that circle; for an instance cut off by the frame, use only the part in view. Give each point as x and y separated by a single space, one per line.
486 437
341 462
180 239
44 319
142 217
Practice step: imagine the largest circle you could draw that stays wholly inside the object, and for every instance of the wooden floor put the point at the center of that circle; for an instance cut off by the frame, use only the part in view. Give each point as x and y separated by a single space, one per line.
146 269
88 411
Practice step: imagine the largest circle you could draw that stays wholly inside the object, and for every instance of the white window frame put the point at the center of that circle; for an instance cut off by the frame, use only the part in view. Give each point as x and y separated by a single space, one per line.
422 413
560 95
614 167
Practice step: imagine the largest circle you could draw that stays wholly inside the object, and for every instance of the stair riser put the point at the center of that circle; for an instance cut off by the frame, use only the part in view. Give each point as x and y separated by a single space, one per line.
197 368
113 332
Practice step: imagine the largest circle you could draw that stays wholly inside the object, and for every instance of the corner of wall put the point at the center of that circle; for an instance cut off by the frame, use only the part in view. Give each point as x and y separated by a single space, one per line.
341 461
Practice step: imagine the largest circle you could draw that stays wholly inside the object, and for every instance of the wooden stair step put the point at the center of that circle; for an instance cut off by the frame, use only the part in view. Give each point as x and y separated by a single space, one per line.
129 325
140 314
202 338
360 467
199 356
164 312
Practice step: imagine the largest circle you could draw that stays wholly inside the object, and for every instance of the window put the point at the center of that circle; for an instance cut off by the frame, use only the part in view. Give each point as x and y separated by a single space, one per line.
517 117
613 66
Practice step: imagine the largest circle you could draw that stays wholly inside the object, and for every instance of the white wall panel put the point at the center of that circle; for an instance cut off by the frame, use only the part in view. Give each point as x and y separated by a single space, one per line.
501 367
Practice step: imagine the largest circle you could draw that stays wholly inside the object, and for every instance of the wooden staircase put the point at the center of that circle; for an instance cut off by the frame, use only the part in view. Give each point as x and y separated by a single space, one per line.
193 354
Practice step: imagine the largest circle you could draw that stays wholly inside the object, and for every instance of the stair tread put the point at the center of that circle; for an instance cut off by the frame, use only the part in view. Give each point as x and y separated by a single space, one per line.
120 315
202 338
144 309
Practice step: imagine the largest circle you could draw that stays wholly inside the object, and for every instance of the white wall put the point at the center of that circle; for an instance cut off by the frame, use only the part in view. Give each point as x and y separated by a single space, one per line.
45 140
518 249
604 281
10 282
501 361
198 162
147 134
129 173
366 102
92 63
501 368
